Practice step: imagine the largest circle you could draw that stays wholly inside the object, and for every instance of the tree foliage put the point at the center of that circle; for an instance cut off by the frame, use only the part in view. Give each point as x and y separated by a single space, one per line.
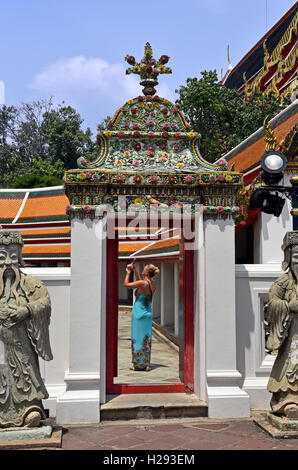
42 140
220 115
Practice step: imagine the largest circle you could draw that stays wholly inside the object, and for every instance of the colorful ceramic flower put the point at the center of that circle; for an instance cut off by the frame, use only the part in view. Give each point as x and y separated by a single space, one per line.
95 177
121 134
138 200
164 59
178 134
189 179
229 178
165 135
134 110
166 125
165 111
150 123
87 209
126 153
176 147
136 162
150 134
137 146
191 135
180 165
153 179
136 125
162 145
137 178
82 176
220 209
119 178
118 162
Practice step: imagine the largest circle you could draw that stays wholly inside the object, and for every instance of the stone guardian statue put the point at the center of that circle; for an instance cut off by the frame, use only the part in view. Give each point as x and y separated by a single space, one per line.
25 310
283 337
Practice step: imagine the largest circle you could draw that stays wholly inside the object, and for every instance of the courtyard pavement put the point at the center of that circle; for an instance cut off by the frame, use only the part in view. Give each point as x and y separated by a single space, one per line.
179 435
164 359
173 434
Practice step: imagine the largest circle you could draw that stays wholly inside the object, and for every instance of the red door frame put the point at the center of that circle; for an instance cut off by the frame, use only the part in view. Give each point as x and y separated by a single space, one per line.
186 290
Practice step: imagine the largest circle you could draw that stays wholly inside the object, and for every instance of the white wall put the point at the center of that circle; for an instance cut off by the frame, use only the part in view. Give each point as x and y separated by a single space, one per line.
254 366
57 281
252 285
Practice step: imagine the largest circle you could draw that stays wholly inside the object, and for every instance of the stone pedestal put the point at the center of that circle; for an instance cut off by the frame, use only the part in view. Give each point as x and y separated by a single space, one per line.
277 426
21 437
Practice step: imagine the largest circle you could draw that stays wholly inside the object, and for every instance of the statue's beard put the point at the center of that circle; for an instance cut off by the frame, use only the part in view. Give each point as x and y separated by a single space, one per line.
10 281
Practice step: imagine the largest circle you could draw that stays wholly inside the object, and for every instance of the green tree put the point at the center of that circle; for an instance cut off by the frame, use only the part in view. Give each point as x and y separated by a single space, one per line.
41 139
220 115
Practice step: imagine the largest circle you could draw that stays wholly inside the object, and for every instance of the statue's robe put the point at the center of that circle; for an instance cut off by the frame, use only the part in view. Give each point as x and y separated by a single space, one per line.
283 337
21 385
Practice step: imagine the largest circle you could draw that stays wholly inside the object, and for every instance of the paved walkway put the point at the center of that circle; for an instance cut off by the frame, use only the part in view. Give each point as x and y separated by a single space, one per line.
164 359
174 434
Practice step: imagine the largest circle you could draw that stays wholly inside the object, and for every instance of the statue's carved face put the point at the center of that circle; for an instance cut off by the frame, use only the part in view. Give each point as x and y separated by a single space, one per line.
9 256
294 260
9 268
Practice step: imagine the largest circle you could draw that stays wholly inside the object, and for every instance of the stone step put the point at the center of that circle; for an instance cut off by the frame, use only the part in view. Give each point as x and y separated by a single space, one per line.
153 406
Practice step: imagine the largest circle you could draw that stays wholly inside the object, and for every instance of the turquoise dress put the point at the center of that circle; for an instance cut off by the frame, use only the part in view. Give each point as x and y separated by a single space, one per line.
141 330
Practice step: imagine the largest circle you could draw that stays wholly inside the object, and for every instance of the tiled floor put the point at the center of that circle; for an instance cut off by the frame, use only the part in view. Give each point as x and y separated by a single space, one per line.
164 359
177 434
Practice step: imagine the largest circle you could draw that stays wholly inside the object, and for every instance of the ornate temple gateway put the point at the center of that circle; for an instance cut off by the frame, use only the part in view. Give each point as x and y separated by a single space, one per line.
149 163
149 154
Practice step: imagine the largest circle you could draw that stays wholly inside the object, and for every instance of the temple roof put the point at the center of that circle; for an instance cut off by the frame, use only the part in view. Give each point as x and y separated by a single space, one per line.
40 215
246 156
149 132
272 62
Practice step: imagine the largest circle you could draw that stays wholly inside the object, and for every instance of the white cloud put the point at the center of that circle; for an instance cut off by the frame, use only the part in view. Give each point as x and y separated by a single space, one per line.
93 86
72 77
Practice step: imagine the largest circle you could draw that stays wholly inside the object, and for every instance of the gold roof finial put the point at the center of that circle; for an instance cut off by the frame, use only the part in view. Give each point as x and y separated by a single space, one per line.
229 60
148 68
270 138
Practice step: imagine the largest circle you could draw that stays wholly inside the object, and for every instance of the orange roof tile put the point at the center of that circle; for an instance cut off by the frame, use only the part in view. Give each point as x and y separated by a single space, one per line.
9 207
46 249
129 247
45 206
251 155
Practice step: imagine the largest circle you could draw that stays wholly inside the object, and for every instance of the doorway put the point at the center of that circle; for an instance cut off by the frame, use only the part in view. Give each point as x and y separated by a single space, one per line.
171 371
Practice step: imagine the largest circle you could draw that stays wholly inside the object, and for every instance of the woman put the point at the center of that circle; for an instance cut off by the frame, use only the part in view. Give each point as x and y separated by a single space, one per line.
141 316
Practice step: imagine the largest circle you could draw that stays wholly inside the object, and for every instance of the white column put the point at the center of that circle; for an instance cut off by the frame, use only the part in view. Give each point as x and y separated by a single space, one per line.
157 298
81 401
225 397
167 294
176 299
269 232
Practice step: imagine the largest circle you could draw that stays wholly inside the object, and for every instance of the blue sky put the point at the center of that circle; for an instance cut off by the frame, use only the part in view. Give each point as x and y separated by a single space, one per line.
74 50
